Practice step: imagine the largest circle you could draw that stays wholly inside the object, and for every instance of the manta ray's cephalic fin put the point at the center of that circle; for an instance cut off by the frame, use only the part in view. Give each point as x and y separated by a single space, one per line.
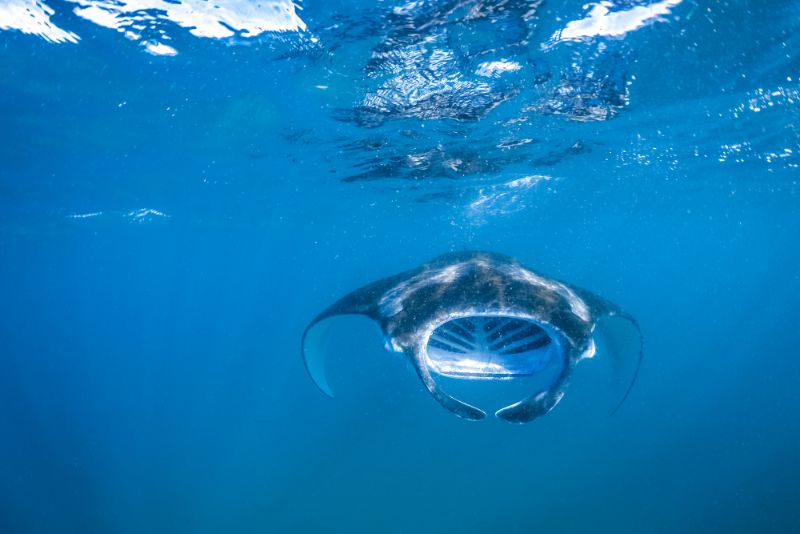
460 408
537 404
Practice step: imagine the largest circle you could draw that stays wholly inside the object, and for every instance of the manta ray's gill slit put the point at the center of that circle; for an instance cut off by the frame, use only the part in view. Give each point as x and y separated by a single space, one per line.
454 340
467 323
519 335
433 342
454 328
489 324
532 345
504 329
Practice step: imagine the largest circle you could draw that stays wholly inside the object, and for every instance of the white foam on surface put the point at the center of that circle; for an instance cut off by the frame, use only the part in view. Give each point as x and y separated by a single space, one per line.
202 18
33 17
220 19
159 49
603 22
495 68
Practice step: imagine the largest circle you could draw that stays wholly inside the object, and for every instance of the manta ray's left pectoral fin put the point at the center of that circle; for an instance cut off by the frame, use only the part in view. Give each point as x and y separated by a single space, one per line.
460 408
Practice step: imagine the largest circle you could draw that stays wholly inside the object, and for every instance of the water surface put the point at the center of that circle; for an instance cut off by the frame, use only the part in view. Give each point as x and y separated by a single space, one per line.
184 185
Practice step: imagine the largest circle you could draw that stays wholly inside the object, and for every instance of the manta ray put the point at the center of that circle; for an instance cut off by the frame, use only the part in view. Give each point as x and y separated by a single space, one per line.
484 316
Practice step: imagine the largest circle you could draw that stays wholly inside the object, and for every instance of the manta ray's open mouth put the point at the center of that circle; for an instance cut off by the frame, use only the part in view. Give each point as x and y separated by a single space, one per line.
490 347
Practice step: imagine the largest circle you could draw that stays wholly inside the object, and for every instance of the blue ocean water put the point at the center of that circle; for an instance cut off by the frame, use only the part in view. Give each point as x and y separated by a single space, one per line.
184 185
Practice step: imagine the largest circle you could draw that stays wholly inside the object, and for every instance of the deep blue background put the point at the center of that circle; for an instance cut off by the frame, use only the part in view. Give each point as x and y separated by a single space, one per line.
150 375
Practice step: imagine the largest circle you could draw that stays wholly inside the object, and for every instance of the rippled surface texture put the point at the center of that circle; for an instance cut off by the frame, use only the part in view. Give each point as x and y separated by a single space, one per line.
184 183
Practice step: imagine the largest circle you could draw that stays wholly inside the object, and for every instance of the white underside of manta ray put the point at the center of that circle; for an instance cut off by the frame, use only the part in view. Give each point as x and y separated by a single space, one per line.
479 315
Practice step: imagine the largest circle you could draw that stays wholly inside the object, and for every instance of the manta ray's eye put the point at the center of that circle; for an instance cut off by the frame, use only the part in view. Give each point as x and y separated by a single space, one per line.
490 347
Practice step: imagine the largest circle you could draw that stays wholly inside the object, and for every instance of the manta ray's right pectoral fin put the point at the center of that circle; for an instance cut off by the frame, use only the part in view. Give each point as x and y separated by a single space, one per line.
620 338
460 408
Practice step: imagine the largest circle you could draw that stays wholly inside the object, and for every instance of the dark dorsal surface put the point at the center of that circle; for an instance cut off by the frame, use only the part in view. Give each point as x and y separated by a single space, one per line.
482 283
